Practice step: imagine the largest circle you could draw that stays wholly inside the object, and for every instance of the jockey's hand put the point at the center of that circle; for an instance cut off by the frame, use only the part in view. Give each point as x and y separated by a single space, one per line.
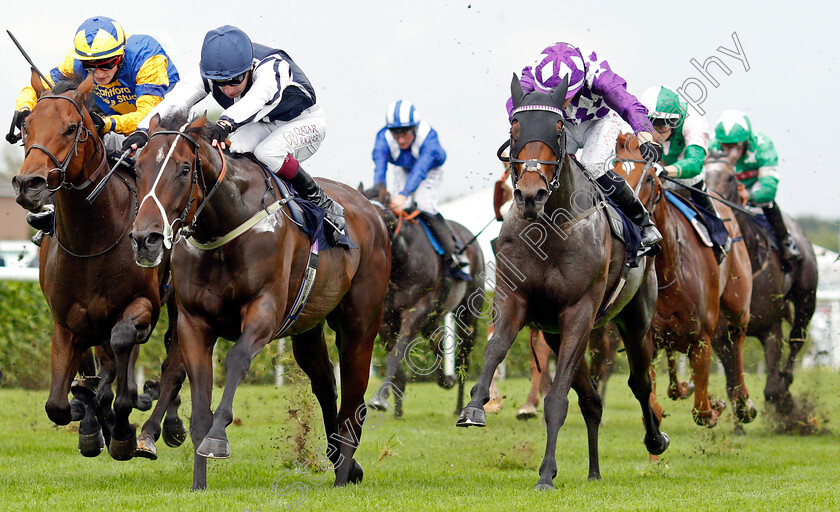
98 122
220 132
660 171
135 141
21 117
398 203
651 151
743 194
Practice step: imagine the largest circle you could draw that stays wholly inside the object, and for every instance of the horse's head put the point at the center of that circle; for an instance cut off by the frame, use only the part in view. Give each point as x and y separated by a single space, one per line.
721 176
630 165
537 146
60 140
378 193
171 183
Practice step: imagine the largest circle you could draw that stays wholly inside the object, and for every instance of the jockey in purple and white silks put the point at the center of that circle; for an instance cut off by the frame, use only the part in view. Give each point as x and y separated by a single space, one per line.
410 146
270 111
596 101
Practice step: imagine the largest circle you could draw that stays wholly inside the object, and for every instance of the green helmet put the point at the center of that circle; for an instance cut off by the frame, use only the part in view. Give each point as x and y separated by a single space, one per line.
732 127
664 103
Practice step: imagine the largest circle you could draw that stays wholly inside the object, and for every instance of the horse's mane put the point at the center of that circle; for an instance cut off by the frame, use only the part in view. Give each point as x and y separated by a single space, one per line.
71 83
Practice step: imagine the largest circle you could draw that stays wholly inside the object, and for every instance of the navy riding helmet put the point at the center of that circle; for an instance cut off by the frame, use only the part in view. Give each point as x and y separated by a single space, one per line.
226 53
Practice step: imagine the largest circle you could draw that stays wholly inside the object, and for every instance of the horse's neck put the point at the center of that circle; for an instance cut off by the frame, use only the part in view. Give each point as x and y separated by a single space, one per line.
574 194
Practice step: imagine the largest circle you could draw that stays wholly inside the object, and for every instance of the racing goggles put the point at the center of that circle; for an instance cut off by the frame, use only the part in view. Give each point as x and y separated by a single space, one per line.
231 82
106 64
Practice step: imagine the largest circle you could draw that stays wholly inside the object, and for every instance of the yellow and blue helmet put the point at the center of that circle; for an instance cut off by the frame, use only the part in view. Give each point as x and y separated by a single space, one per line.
99 38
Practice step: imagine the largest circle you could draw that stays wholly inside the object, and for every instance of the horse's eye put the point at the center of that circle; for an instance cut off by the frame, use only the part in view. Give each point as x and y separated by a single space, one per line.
72 129
184 170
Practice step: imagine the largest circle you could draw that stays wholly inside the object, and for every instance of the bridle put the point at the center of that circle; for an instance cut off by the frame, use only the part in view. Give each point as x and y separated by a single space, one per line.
170 235
61 166
557 145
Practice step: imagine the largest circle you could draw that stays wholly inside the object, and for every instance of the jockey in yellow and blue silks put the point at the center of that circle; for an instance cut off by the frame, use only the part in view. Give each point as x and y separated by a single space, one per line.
131 75
757 170
411 146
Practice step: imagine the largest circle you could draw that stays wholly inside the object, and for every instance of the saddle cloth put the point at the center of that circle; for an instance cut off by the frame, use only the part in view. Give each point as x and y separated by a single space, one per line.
711 231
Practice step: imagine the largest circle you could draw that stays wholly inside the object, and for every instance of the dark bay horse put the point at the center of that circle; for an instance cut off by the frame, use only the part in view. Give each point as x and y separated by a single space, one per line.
96 293
559 265
776 295
694 290
243 287
419 294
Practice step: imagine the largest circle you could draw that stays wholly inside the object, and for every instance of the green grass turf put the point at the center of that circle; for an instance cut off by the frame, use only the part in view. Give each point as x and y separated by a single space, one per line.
423 462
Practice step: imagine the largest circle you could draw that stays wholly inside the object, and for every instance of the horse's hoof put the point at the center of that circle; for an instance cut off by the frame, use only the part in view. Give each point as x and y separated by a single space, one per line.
123 449
494 405
174 432
544 487
472 417
91 445
214 448
377 404
356 474
448 382
143 402
657 445
146 447
594 476
398 413
718 405
527 412
739 430
747 412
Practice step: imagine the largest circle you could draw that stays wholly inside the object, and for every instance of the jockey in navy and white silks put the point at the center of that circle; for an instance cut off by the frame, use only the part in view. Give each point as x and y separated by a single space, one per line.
596 101
412 149
270 110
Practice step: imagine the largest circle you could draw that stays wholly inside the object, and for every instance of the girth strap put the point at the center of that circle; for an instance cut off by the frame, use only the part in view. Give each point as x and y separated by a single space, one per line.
309 275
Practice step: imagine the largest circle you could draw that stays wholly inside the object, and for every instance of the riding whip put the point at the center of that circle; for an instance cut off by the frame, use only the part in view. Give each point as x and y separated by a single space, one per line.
730 204
95 193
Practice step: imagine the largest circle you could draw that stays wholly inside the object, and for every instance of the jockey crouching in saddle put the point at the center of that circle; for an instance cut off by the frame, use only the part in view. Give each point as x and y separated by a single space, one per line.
270 111
756 168
685 137
130 74
413 148
595 99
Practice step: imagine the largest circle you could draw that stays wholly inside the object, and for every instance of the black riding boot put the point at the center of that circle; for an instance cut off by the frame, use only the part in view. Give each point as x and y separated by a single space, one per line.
43 221
705 202
623 196
309 189
790 252
458 264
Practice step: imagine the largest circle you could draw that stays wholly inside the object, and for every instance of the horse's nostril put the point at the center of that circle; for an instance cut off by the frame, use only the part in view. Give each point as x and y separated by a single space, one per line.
541 195
518 197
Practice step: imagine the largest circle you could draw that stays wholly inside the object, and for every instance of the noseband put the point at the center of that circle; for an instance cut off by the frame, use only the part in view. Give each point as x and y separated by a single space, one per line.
556 144
60 166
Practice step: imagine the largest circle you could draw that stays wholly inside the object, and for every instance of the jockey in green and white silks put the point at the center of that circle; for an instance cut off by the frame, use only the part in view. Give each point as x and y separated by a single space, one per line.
684 135
757 170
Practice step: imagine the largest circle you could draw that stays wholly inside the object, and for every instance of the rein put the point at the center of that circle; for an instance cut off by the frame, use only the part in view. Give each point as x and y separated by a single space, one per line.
407 216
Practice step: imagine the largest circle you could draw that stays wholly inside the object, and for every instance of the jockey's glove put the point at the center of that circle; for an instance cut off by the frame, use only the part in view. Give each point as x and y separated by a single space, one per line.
651 151
139 137
20 117
220 131
660 171
98 122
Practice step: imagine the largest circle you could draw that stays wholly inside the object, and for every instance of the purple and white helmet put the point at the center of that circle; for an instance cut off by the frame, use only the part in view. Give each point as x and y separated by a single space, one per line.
554 63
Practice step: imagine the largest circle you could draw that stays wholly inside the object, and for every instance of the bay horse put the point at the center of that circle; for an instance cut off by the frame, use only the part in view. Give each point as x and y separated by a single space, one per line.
420 294
561 269
776 295
694 290
96 294
244 287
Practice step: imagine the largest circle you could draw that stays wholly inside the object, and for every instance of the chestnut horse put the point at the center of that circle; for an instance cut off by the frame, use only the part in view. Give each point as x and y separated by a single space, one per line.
241 284
776 295
561 270
95 291
693 290
419 294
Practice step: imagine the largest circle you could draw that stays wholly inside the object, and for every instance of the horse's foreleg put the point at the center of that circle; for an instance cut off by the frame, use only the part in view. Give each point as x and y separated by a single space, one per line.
134 326
677 390
195 341
258 319
575 325
591 406
65 357
700 356
775 390
510 320
540 376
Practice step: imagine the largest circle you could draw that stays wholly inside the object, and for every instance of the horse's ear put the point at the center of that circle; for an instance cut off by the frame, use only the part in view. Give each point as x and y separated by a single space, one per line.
154 123
516 93
361 188
558 95
199 122
37 84
85 87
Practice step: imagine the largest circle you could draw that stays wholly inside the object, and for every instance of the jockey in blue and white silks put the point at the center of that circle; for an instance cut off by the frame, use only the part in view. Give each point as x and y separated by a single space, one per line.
412 149
596 101
270 110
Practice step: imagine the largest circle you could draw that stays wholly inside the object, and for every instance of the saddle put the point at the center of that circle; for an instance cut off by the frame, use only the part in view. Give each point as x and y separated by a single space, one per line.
706 224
